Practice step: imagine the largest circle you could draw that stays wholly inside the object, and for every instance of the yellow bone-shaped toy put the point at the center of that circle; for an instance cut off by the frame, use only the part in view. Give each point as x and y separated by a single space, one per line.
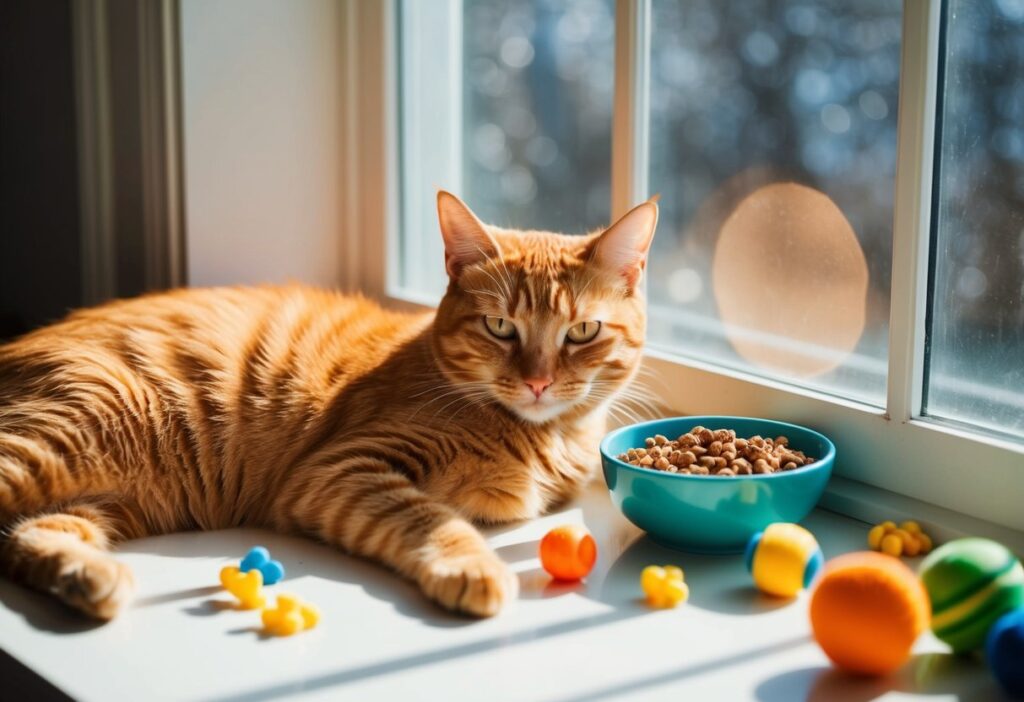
247 587
291 616
664 586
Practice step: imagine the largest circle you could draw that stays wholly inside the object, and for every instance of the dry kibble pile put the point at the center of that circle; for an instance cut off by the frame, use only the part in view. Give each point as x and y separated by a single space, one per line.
703 451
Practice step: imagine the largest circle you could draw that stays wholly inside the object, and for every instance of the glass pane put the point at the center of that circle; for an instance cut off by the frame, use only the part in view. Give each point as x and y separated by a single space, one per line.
534 147
773 146
976 340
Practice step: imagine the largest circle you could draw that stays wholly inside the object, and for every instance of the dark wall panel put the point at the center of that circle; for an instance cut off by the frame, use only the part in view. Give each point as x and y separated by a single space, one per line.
40 278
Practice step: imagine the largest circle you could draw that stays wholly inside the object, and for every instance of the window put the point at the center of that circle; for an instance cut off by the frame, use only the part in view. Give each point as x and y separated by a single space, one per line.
976 332
533 96
773 145
842 233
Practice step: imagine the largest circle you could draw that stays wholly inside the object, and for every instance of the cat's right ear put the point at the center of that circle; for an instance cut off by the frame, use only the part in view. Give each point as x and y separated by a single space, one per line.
466 240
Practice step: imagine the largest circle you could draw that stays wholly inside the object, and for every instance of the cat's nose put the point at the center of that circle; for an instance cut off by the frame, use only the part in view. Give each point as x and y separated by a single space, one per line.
539 385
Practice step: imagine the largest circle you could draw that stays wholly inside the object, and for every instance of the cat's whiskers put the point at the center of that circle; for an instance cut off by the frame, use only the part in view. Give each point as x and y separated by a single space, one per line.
626 400
438 386
455 389
484 401
491 293
505 285
578 294
507 275
466 396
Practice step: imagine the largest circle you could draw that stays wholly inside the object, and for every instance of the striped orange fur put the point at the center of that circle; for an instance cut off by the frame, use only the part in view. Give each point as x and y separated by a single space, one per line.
307 411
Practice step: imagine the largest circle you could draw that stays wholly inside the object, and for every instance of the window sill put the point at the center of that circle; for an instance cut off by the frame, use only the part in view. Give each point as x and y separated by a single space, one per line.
873 505
378 639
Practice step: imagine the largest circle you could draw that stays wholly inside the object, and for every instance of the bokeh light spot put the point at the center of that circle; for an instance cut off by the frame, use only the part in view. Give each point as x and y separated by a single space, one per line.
790 280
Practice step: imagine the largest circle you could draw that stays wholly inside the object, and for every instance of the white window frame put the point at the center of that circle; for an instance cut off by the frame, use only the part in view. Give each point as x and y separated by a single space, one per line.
892 463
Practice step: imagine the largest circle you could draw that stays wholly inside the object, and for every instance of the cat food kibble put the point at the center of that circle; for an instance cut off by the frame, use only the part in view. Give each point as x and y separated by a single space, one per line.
703 451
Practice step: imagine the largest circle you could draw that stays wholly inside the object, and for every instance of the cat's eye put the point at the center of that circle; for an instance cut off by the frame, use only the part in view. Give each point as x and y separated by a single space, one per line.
583 332
500 327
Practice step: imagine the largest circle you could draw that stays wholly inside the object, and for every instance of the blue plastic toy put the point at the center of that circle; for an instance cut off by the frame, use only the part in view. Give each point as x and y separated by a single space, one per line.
259 559
1004 648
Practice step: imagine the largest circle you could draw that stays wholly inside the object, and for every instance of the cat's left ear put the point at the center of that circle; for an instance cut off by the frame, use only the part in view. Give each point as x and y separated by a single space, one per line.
622 248
466 240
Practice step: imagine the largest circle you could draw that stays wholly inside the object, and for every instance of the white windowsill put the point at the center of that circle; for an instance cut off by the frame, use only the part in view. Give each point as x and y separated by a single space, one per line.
379 639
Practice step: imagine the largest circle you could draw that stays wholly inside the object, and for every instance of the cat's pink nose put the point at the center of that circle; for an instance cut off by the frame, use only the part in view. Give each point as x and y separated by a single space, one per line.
539 385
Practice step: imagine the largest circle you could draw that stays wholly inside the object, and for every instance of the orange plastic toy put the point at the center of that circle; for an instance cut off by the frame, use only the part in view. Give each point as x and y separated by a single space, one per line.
568 552
866 612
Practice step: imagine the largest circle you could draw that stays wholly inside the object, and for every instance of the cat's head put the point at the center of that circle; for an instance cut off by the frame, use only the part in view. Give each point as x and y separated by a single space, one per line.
545 324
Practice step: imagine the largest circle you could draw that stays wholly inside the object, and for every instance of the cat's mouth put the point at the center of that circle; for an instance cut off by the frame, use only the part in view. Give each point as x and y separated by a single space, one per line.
538 409
541 410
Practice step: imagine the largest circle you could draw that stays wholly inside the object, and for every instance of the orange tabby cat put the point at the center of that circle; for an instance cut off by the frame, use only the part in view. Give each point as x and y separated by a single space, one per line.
310 412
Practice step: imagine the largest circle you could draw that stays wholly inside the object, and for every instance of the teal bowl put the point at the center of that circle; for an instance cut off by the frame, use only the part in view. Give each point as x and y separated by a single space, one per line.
708 514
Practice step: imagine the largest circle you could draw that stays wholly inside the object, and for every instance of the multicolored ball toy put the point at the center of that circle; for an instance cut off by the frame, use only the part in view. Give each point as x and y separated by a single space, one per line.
867 610
784 559
972 583
1004 648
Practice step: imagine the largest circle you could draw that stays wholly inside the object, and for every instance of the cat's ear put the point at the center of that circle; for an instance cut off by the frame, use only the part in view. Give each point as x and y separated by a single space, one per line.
466 240
622 248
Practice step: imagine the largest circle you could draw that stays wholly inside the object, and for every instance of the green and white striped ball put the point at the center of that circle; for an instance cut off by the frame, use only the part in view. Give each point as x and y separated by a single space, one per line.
971 583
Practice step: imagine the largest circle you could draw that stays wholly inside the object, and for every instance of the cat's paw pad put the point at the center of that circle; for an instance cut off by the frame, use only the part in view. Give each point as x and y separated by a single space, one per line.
478 585
98 585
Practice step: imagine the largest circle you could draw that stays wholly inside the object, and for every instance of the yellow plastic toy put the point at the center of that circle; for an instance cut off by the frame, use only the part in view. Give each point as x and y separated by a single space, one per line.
247 587
664 586
291 616
905 540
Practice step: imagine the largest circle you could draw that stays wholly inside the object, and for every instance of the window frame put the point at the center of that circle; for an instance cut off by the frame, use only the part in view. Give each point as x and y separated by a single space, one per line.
894 458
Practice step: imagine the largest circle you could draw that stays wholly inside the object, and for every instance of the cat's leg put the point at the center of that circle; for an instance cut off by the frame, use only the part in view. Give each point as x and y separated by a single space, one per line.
369 510
64 553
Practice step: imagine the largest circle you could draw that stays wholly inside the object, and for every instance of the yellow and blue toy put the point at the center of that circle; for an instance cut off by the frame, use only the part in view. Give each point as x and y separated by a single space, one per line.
247 587
1004 649
291 615
784 559
258 558
971 583
664 586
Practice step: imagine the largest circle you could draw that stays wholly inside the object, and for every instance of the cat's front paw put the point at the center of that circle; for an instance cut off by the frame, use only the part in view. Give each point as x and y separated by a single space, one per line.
479 584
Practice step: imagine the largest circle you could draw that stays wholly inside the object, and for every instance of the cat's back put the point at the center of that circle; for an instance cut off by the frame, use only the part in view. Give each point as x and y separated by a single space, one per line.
251 340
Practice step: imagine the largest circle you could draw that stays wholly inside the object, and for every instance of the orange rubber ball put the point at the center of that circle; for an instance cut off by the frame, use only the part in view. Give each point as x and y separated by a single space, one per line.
867 610
568 552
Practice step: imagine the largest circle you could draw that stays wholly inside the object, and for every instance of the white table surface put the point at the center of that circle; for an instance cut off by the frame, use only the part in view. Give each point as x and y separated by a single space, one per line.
380 640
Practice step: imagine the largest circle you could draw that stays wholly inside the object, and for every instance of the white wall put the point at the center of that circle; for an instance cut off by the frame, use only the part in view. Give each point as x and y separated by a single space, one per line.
262 132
